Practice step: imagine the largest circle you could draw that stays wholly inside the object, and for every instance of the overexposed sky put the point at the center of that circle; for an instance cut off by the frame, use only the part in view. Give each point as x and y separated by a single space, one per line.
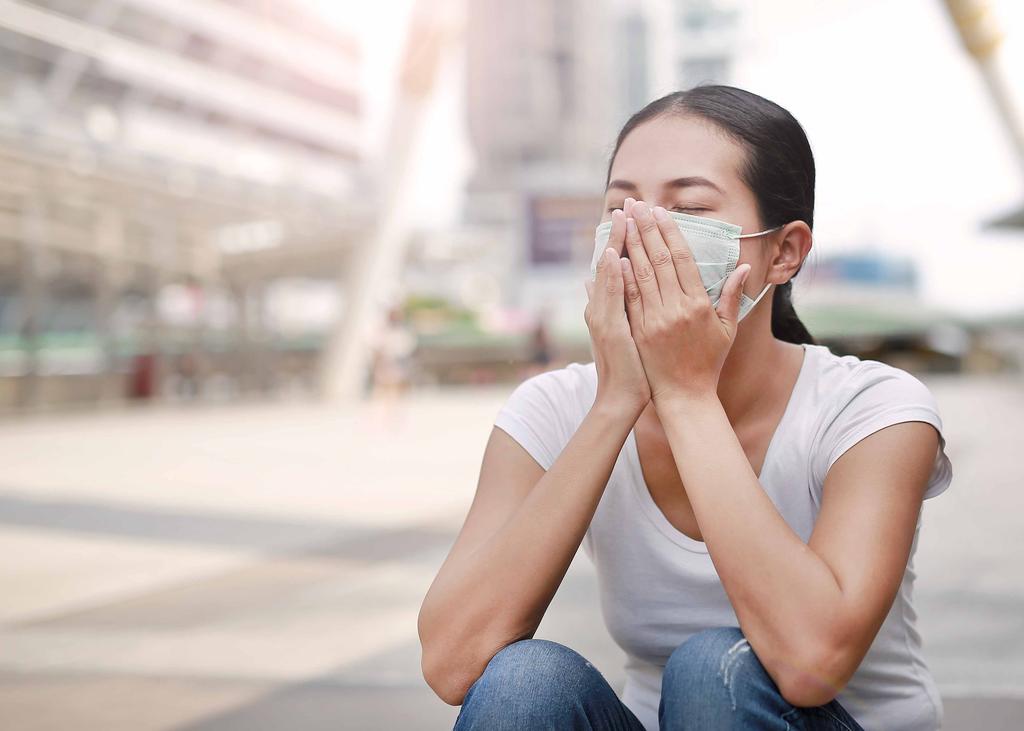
910 153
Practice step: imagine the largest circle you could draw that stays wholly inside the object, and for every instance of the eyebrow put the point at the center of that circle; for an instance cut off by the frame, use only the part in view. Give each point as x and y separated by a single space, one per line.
689 182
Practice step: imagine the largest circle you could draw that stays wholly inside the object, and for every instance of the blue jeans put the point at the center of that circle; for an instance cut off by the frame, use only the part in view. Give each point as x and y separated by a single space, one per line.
711 681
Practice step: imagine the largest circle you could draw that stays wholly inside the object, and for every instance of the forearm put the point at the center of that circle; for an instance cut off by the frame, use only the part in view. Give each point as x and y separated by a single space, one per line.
501 592
785 596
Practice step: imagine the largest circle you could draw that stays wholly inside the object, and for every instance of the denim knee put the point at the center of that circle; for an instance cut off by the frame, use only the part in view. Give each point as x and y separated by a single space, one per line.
532 679
714 673
702 653
536 660
714 680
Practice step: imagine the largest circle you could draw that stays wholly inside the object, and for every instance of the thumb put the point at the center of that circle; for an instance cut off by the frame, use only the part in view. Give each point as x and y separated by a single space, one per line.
729 308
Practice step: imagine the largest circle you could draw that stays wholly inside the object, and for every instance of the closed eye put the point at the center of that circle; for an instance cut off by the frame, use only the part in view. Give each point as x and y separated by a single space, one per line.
675 208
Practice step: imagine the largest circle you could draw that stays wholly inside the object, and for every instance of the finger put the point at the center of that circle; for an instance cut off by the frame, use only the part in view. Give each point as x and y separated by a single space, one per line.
687 272
729 305
598 282
631 294
597 301
617 236
613 286
627 206
658 253
642 269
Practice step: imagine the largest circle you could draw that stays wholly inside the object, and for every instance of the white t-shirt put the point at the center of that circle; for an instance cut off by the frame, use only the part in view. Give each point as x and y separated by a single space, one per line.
658 586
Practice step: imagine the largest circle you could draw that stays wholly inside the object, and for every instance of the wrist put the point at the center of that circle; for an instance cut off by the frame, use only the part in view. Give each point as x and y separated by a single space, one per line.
685 398
619 409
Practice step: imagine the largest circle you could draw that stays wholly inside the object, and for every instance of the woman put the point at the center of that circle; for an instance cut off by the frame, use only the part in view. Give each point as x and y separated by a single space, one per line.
750 500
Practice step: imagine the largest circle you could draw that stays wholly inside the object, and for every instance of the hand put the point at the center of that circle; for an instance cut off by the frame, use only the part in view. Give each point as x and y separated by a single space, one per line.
620 373
682 339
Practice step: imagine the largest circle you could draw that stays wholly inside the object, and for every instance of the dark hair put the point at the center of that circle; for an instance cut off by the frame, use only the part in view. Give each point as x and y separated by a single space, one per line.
779 167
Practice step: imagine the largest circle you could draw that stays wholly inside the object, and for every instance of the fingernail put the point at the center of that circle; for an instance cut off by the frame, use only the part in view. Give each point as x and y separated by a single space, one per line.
660 213
631 226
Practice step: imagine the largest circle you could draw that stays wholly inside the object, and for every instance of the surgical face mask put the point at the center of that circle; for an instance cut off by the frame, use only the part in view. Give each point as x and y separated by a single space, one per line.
716 249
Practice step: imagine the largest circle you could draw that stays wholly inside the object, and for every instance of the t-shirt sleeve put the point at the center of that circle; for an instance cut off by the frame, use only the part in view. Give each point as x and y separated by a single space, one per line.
879 397
539 414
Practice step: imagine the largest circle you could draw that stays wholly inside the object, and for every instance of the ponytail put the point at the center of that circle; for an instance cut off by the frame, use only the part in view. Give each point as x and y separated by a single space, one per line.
785 323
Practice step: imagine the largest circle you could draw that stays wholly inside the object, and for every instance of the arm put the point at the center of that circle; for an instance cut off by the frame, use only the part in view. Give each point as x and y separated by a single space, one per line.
810 611
522 532
525 525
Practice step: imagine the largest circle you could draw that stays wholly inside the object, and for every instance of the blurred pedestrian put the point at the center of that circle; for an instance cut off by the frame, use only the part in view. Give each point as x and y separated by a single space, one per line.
392 366
540 346
393 348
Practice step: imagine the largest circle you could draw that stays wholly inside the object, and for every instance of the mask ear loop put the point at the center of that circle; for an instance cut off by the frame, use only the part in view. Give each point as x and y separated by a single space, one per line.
758 298
750 236
759 233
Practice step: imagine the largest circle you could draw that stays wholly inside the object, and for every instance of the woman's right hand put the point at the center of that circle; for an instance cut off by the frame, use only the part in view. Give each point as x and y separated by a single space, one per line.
621 380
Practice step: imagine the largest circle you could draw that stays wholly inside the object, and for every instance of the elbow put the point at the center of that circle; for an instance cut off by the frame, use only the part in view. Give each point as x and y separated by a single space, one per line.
438 671
804 693
815 677
450 679
454 655
447 685
447 672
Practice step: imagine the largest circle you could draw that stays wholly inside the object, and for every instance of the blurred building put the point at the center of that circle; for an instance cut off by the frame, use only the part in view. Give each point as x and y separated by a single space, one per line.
541 112
705 39
670 45
550 83
163 164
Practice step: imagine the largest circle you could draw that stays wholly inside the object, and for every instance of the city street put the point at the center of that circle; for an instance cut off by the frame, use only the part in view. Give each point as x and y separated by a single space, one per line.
261 566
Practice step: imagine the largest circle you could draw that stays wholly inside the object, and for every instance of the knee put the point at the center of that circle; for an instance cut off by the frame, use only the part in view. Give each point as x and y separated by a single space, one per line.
531 684
706 653
715 670
532 671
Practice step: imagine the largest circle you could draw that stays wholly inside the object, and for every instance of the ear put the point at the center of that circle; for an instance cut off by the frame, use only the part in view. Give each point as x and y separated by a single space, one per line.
792 246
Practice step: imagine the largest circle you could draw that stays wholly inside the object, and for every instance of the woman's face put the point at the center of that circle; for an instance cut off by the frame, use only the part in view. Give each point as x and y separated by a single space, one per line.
685 164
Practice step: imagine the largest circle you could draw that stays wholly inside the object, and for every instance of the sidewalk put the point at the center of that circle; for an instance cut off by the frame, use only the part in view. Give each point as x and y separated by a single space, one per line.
261 567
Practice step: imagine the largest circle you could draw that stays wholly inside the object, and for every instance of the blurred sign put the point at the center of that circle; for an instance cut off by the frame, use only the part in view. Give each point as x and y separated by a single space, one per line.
869 268
562 228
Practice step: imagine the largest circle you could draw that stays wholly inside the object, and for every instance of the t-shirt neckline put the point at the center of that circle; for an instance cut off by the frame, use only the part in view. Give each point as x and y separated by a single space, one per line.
643 495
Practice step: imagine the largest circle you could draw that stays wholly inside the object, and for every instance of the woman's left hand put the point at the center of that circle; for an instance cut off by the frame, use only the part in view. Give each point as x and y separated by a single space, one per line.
682 339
